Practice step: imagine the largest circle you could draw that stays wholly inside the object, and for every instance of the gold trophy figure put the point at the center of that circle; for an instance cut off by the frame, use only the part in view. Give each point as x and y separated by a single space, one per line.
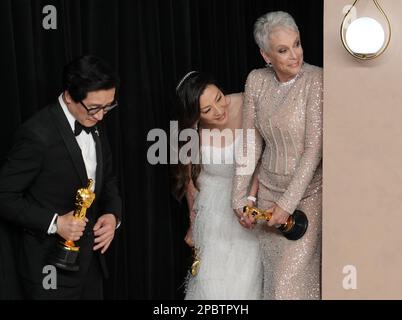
294 228
66 253
196 263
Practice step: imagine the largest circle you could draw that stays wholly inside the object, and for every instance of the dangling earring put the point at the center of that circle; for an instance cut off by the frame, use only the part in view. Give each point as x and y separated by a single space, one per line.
196 126
269 65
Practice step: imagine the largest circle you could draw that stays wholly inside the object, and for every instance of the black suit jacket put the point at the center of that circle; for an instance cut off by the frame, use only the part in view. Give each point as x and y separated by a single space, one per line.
41 176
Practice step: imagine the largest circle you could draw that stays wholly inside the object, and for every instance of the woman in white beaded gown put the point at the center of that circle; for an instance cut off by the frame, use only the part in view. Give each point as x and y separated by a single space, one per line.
230 261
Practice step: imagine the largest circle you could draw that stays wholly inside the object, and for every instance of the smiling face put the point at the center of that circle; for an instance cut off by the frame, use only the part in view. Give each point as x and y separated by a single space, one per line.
285 53
213 107
93 99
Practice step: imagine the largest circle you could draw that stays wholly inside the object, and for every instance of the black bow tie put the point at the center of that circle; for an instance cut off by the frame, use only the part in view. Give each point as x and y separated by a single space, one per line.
78 127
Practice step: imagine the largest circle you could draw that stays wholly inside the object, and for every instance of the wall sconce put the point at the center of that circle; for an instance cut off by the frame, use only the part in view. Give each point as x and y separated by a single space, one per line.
364 38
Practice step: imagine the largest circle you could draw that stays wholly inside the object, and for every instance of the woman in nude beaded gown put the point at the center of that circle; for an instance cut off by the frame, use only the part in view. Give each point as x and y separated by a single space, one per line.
283 102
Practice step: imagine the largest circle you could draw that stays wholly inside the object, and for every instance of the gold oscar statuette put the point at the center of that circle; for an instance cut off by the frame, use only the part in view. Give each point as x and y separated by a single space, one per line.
294 228
196 263
66 253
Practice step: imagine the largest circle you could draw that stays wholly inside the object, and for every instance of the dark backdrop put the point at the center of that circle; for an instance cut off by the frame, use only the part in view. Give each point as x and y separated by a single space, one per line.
152 44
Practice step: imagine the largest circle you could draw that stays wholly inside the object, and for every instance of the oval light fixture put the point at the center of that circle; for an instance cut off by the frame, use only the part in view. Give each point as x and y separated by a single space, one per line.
364 38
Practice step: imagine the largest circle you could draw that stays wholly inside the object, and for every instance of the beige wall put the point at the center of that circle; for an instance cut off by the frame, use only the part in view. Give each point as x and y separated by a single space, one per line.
362 217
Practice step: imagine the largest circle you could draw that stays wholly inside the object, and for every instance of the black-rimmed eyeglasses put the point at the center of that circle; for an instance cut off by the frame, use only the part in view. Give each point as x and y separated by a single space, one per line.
94 110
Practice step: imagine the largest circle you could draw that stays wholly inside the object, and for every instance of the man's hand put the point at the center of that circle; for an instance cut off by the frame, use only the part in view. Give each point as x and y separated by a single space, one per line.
104 231
70 228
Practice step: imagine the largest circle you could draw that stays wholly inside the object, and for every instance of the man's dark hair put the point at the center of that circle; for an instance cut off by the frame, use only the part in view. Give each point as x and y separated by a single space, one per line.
88 73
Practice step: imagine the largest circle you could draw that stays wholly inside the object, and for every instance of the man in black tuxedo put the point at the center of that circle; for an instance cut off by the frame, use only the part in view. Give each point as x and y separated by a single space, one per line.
54 155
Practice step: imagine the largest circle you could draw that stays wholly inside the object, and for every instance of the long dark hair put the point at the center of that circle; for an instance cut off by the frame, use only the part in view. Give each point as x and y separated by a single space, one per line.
188 93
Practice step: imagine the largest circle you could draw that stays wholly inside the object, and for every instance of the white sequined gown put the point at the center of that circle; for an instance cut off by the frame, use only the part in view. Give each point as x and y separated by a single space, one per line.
288 122
231 263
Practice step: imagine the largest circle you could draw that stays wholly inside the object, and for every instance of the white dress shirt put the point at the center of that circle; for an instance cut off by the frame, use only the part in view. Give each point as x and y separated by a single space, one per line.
86 143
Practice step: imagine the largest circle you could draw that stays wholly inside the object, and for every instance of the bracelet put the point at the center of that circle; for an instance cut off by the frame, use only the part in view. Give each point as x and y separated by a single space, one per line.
251 198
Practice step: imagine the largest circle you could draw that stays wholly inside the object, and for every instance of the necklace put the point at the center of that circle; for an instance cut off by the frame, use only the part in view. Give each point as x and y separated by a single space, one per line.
282 91
286 83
